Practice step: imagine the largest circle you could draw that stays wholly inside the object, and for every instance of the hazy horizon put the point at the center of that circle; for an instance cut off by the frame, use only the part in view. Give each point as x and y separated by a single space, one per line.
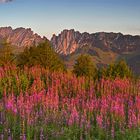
47 17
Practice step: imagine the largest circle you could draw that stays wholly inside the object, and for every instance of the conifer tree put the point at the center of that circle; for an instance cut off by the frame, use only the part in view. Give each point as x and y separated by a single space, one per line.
43 55
6 53
84 66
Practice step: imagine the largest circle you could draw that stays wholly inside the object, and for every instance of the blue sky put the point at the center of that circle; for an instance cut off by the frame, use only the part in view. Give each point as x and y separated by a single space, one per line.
47 17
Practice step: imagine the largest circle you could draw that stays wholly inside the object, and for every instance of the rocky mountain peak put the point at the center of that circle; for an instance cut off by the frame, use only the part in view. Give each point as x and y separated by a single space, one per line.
20 37
68 41
4 31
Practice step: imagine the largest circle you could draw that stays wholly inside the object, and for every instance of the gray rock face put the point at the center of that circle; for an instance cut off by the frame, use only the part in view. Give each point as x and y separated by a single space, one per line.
68 41
20 37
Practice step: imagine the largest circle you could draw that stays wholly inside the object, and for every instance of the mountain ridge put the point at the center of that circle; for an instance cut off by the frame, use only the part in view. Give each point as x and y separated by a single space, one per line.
69 40
20 37
104 48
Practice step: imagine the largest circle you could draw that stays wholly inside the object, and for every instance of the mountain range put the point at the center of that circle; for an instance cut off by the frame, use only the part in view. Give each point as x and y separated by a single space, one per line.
104 48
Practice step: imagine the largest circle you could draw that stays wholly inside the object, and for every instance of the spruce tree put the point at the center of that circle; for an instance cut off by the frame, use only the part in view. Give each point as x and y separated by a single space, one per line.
84 66
6 53
43 55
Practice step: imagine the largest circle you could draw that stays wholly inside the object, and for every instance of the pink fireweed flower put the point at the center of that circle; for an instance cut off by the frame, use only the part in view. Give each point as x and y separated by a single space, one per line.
74 117
99 120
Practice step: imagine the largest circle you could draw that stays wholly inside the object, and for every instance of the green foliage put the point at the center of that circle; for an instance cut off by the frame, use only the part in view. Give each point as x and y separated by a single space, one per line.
119 69
100 73
84 66
6 53
43 55
24 82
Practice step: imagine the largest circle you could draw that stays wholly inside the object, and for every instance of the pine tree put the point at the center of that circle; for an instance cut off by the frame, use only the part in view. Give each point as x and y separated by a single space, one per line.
119 69
84 66
123 69
42 55
6 53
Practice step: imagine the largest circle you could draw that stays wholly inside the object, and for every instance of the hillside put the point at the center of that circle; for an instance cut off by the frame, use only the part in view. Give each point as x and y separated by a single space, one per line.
104 48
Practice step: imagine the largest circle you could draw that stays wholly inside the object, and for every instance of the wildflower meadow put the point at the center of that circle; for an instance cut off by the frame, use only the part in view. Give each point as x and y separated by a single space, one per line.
36 104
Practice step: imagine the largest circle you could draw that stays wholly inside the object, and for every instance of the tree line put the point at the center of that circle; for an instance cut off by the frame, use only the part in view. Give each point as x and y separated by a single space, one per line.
84 66
45 56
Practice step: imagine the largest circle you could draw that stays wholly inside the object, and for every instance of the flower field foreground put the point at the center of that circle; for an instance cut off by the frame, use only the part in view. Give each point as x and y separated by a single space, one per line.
36 104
